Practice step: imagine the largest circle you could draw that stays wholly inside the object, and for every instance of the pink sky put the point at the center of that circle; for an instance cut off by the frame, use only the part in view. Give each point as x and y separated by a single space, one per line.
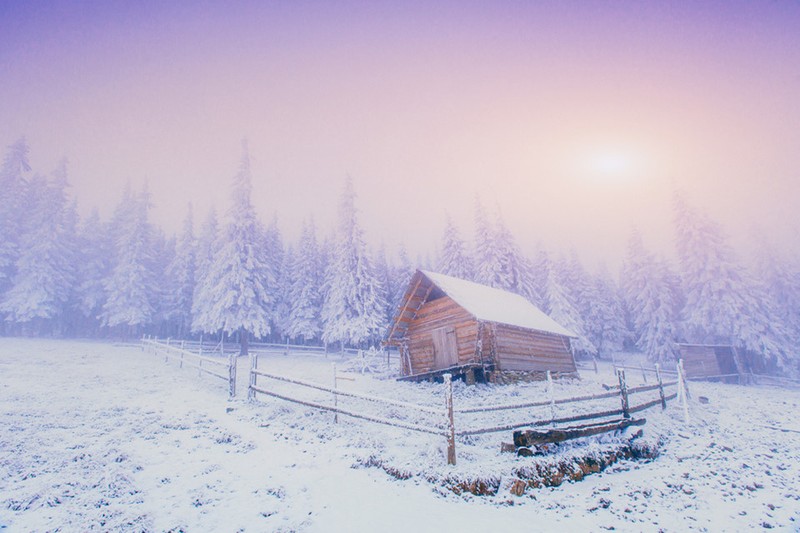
577 119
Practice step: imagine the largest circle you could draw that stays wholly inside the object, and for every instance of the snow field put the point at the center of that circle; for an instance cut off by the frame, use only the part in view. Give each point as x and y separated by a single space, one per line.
102 438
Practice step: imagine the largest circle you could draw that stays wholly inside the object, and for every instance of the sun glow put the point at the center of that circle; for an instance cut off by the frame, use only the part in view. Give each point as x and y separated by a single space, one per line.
610 166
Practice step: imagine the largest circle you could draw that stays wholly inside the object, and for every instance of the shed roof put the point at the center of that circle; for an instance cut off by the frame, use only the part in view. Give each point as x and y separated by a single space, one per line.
496 305
482 302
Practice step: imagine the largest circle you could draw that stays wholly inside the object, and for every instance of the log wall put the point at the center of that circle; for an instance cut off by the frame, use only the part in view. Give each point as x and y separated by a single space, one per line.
525 350
440 313
516 349
700 361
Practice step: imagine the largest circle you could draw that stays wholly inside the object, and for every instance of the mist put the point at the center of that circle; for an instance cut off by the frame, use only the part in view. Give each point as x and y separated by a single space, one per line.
577 123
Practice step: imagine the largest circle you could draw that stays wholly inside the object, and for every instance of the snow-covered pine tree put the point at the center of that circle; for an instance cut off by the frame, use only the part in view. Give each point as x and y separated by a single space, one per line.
781 283
723 303
240 274
540 270
272 244
657 307
45 269
130 283
181 278
353 311
605 325
515 268
454 259
488 264
652 301
283 306
305 296
162 254
208 246
561 309
401 274
388 285
94 252
12 190
632 281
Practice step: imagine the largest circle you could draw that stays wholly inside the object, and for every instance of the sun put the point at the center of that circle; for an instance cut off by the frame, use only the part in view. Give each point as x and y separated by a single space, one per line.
610 166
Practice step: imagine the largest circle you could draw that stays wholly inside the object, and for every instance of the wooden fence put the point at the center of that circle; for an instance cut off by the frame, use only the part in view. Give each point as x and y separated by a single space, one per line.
220 367
443 423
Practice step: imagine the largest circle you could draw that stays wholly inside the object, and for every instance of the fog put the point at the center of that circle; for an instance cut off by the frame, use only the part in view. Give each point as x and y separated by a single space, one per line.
576 121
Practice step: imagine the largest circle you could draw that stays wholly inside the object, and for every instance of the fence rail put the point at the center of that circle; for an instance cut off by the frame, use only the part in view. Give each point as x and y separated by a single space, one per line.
445 425
195 360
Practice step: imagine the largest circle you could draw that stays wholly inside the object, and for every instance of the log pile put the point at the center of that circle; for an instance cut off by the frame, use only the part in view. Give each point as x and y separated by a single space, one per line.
532 442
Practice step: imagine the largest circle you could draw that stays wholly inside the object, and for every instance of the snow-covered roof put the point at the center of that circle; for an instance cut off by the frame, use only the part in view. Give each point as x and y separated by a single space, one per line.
495 305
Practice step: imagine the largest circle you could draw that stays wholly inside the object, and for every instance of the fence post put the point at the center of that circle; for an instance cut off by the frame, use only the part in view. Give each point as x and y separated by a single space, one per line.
683 392
335 396
551 393
594 360
682 377
251 393
232 375
644 375
451 428
660 387
183 343
623 391
166 352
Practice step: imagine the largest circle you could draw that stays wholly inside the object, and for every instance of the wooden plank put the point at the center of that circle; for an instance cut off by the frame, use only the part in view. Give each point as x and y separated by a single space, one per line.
531 437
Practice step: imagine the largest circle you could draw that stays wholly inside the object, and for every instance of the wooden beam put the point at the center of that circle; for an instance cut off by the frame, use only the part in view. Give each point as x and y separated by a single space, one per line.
405 306
531 437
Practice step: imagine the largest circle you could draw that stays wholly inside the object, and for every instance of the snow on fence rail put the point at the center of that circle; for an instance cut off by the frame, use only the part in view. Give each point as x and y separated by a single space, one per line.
285 347
445 424
195 360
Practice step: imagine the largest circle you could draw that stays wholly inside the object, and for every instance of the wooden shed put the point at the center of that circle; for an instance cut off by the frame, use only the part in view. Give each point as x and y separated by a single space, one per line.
710 360
446 324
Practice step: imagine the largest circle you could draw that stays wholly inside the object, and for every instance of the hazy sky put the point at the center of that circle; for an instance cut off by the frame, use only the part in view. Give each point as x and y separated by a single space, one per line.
577 119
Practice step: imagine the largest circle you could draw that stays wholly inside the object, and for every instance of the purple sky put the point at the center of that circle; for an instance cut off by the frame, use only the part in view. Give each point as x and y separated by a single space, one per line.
577 119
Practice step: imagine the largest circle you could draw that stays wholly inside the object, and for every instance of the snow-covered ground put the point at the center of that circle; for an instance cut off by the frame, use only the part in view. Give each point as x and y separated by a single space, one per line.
95 437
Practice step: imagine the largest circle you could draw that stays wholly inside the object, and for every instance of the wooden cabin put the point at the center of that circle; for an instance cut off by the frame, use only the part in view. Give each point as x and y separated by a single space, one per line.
446 324
709 360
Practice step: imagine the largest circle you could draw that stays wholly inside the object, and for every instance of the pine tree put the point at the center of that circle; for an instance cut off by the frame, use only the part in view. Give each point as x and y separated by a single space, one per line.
129 286
208 246
283 307
12 191
605 326
181 278
353 311
94 251
515 268
401 274
305 295
454 260
388 285
781 285
561 309
240 276
723 302
651 297
275 277
656 322
488 263
45 268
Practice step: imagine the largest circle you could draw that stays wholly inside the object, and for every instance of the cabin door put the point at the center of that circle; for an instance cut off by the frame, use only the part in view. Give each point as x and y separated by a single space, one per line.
445 348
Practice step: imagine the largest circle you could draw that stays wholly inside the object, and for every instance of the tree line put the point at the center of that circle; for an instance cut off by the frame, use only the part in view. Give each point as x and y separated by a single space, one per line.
237 277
